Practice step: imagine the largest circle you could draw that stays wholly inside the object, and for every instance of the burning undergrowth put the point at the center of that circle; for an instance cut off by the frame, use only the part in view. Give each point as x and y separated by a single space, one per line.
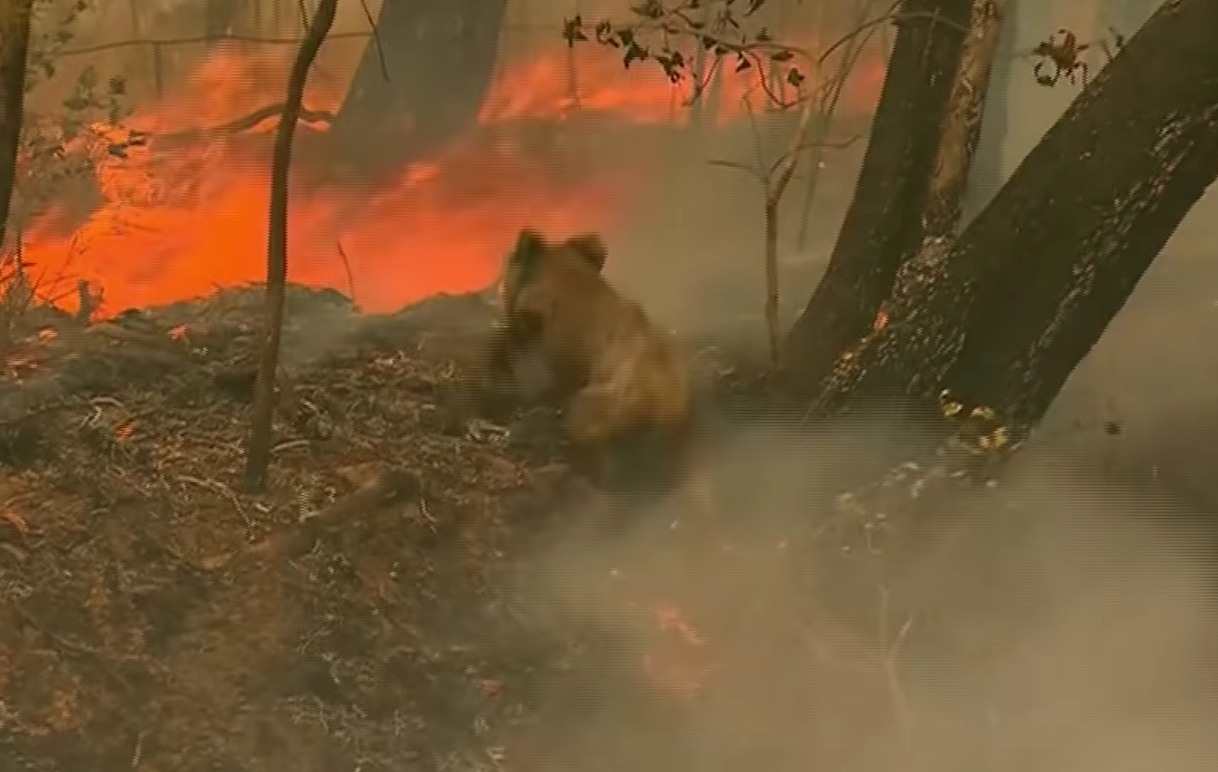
410 596
368 611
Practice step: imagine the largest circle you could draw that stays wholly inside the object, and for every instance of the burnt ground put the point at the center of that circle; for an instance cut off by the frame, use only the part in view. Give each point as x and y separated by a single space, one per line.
376 609
154 617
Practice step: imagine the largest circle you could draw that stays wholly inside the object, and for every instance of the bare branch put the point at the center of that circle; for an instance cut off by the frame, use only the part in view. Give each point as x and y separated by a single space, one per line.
376 39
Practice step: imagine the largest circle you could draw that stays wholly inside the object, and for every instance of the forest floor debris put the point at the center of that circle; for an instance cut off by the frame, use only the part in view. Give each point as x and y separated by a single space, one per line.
130 637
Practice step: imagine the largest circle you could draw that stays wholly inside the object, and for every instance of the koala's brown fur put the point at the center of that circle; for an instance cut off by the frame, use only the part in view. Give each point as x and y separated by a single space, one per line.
621 381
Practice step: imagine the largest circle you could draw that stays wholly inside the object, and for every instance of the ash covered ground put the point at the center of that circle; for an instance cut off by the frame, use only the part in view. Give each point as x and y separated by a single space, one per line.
474 614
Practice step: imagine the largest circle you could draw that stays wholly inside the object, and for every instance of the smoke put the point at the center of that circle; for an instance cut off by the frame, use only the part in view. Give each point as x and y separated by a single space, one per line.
1058 621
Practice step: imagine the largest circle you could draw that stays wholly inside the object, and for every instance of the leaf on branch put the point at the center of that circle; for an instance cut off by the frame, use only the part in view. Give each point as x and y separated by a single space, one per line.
795 77
754 7
604 34
763 36
634 53
785 55
673 65
742 63
573 31
88 78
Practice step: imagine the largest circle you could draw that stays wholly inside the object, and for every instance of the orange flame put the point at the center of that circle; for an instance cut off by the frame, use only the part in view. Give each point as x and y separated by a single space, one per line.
180 221
680 663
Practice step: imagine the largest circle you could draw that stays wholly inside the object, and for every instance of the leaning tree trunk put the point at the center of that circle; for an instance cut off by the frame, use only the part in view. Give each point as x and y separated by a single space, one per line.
422 79
884 222
14 50
1033 282
1063 245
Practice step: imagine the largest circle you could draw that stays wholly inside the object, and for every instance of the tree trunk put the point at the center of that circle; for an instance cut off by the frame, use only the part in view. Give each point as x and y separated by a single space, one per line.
962 126
258 451
1063 245
883 224
1031 285
421 81
988 175
909 352
14 50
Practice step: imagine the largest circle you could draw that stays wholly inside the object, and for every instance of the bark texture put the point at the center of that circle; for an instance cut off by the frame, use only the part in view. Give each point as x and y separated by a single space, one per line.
422 79
14 50
258 451
1065 242
883 225
1009 310
880 366
987 175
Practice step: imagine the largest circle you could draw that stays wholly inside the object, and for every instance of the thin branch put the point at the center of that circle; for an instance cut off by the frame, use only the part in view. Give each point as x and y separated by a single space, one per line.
756 50
342 253
376 39
814 143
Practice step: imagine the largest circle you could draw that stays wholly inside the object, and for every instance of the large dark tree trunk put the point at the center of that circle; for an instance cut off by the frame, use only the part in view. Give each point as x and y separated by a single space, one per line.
1066 241
883 225
422 80
1031 285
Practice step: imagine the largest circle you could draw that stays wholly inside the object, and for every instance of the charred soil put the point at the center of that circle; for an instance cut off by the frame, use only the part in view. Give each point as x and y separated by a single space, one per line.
378 608
153 617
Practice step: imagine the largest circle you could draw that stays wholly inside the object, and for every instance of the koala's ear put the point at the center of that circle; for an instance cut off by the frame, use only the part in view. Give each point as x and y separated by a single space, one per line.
591 247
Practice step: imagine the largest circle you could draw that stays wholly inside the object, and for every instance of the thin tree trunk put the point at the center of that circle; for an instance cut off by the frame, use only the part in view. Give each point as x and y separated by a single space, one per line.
987 175
422 80
258 452
771 279
14 51
883 225
1063 245
962 128
897 359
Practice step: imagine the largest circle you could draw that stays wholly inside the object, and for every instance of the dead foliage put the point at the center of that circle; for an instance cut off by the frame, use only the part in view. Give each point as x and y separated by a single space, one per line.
153 617
366 611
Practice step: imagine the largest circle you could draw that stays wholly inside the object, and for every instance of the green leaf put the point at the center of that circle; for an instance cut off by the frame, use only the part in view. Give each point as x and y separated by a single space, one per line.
88 78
